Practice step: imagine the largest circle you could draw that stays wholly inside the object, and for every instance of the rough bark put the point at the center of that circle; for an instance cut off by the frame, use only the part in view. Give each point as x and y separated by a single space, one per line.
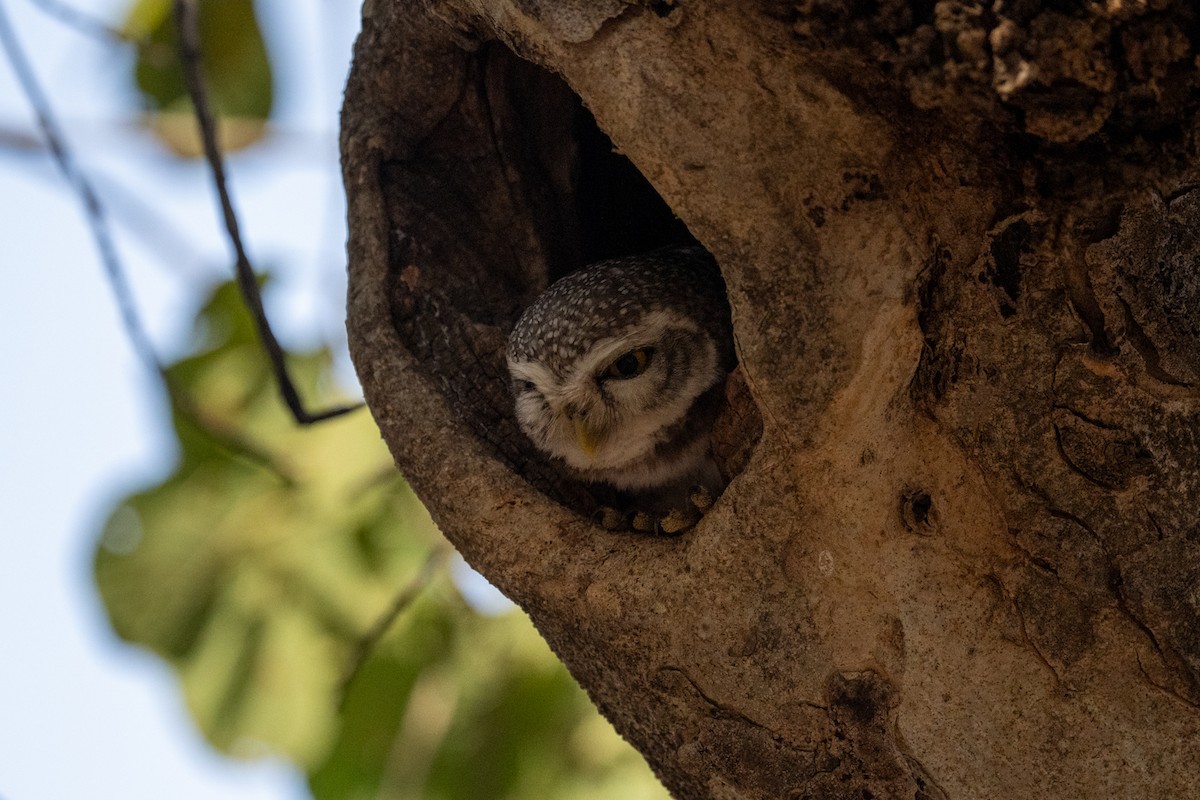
960 241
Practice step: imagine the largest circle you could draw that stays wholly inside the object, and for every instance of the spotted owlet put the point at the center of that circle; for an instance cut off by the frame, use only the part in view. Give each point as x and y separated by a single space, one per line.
618 370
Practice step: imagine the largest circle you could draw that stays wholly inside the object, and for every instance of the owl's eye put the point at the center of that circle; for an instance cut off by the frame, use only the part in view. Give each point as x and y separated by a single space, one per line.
630 365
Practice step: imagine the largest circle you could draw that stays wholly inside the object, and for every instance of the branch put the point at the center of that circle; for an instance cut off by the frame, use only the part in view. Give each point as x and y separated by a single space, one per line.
403 600
185 18
97 28
17 140
84 22
174 251
114 270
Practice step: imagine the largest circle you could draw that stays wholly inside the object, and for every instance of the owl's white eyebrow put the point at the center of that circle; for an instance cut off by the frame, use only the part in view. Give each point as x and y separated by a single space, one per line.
531 371
648 332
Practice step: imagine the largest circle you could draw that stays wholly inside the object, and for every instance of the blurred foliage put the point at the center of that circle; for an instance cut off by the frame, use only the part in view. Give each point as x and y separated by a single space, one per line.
235 66
258 565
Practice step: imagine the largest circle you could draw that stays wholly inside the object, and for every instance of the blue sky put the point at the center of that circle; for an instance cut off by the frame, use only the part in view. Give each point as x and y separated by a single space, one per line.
81 714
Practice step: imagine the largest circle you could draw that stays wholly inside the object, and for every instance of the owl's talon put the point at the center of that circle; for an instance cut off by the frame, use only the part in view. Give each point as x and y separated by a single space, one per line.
672 523
702 498
610 519
643 522
676 521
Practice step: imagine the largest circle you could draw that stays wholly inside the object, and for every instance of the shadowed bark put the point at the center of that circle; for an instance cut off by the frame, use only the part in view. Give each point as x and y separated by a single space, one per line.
960 243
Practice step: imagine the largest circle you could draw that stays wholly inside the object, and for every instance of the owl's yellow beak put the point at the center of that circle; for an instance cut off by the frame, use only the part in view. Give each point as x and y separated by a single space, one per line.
586 437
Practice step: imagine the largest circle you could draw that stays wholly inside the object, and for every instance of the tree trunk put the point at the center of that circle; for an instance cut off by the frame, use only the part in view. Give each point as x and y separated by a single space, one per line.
963 560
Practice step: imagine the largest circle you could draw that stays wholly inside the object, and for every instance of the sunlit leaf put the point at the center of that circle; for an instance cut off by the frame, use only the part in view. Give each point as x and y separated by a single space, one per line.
457 706
236 69
256 568
252 580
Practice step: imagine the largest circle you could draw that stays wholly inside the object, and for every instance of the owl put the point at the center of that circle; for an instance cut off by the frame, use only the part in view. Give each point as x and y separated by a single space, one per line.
618 372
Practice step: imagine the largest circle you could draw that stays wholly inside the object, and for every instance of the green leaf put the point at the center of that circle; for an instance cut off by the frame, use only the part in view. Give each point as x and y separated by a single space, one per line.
252 580
236 70
256 567
455 706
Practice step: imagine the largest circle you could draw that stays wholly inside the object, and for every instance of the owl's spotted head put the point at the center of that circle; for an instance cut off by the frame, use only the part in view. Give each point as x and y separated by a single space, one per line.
607 363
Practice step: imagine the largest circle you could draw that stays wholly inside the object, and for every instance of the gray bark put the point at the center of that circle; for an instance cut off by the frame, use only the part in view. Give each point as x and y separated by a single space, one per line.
963 559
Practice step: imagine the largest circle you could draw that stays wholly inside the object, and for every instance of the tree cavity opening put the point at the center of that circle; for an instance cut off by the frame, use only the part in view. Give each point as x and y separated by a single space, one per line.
514 186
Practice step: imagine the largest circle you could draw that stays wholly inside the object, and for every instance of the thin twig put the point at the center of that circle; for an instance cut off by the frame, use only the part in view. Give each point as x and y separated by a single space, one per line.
403 600
185 19
94 210
113 269
93 26
129 211
83 22
19 141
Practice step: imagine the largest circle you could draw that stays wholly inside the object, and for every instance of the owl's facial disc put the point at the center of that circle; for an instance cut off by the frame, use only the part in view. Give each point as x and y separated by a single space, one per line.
587 438
616 402
591 429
